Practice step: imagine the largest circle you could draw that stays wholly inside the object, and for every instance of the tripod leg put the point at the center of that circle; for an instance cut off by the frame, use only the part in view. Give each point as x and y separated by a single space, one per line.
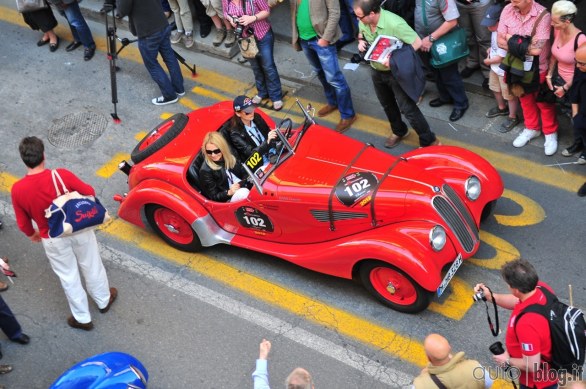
112 54
184 63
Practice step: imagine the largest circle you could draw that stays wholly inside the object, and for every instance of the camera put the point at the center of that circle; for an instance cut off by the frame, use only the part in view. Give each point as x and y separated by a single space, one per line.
479 296
359 57
496 348
239 30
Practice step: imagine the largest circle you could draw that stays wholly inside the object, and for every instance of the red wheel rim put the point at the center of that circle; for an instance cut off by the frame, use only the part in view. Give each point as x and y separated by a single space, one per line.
393 286
173 226
155 135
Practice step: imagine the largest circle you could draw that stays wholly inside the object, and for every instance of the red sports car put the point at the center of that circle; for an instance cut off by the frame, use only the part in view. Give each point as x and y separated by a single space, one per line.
327 202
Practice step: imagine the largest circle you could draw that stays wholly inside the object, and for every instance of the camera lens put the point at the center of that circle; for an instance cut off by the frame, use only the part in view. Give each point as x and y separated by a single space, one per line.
496 348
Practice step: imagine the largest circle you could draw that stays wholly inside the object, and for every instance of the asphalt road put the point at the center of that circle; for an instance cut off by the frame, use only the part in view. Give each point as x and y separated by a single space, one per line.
196 320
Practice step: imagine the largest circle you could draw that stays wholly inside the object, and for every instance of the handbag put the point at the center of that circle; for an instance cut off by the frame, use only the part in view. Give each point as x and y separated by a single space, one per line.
30 5
72 212
248 47
449 48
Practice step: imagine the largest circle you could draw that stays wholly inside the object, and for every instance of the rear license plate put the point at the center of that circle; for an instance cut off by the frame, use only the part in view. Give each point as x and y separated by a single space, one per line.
449 275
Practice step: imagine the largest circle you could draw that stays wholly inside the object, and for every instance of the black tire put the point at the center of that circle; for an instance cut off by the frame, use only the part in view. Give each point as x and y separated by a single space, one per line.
172 228
408 296
488 210
155 141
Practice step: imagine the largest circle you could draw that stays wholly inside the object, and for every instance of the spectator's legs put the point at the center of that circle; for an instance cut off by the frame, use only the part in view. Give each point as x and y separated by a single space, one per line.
149 48
75 19
265 71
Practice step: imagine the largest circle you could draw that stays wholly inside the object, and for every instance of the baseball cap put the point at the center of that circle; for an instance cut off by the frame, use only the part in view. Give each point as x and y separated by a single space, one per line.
243 103
492 15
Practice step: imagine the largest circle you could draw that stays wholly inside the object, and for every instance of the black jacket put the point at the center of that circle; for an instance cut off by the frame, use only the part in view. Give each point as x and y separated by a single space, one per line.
244 144
145 17
214 183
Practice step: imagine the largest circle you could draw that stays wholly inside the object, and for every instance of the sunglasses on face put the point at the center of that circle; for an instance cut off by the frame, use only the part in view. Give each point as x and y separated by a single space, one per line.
216 151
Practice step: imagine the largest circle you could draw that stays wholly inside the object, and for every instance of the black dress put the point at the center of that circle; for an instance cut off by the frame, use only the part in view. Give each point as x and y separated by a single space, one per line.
42 19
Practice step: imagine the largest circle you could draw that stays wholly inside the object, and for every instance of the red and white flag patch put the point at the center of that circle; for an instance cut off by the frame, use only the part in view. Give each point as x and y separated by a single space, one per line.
527 347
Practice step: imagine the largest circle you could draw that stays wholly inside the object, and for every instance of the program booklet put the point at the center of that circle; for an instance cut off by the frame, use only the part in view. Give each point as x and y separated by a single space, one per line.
382 47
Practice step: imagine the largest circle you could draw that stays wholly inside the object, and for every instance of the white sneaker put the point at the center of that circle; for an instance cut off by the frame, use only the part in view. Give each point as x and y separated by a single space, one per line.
161 100
551 144
525 136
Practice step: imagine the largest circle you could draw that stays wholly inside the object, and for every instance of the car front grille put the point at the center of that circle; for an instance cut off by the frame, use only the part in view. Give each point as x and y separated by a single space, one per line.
456 215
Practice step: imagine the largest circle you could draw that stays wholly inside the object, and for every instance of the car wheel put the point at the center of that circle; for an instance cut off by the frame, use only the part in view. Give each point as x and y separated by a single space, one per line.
394 287
159 137
173 228
487 211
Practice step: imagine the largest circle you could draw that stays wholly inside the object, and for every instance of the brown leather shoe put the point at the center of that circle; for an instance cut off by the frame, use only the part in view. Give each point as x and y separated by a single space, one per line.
82 326
113 295
3 286
345 124
328 109
5 369
393 140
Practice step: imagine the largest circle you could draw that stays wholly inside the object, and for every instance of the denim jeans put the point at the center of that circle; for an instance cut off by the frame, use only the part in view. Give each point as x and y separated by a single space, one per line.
150 47
348 22
266 76
394 100
79 28
324 61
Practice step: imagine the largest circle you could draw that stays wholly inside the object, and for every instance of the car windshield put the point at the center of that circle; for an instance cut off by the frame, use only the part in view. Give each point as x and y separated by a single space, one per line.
259 167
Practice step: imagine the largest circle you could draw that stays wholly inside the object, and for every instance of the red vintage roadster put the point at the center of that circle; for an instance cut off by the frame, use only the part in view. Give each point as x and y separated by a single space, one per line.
326 202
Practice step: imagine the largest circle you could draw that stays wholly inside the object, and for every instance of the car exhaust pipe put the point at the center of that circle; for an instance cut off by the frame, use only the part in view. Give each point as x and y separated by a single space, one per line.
125 167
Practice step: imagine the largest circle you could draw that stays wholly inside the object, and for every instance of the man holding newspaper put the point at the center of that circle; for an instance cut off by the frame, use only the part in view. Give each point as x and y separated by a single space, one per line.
398 89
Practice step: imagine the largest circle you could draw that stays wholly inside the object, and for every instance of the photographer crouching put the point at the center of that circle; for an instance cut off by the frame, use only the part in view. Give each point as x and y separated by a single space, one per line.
528 342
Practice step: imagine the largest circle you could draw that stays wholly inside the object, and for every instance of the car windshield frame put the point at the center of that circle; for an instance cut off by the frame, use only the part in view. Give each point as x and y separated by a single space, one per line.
281 156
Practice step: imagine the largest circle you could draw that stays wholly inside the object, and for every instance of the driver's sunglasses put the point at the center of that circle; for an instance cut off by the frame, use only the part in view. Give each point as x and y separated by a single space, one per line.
216 151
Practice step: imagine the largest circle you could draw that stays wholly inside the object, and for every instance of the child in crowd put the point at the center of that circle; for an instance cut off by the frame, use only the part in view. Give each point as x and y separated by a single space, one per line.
507 104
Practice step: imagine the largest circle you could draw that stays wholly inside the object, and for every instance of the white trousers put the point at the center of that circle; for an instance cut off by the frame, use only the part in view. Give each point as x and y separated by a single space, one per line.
67 255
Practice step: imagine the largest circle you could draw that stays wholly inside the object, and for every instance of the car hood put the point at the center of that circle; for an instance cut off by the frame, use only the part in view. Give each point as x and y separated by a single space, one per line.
327 164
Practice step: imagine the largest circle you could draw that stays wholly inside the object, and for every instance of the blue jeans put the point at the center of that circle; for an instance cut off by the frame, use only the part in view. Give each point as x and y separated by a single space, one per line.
324 61
79 28
348 22
150 47
266 76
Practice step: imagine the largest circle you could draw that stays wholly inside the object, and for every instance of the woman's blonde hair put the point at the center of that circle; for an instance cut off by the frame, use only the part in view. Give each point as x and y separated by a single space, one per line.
218 139
564 8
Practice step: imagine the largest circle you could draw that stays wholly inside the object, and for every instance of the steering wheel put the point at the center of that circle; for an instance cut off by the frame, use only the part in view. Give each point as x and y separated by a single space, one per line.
287 124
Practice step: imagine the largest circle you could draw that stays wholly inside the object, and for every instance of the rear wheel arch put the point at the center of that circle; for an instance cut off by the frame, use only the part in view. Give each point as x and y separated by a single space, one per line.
173 227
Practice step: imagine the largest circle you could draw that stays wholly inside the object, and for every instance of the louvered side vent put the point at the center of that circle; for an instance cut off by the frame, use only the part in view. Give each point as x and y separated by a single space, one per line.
455 199
324 216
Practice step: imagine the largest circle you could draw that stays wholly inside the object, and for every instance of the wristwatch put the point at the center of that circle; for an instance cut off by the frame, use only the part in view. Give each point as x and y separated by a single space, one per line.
431 38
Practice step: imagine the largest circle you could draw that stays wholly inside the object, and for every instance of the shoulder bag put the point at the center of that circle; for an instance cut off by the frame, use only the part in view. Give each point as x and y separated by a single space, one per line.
247 46
30 5
449 48
72 212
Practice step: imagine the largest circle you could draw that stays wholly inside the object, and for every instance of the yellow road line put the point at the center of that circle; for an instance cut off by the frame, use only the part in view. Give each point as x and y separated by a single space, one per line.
110 167
457 303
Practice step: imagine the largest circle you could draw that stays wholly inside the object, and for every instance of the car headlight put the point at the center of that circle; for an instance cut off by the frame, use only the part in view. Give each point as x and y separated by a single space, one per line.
473 188
437 238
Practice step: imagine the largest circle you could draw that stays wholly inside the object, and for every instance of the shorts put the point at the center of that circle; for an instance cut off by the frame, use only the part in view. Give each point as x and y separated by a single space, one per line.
497 84
213 8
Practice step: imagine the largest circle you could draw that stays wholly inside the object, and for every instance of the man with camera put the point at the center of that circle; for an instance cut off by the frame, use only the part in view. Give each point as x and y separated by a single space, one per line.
374 22
528 342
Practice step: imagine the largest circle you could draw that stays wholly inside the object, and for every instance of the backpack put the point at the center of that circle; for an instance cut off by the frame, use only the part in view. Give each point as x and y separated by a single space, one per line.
567 330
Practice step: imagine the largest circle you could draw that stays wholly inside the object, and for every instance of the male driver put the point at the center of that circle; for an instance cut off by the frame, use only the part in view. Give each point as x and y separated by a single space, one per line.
34 193
528 342
519 18
375 21
315 31
578 100
454 371
148 22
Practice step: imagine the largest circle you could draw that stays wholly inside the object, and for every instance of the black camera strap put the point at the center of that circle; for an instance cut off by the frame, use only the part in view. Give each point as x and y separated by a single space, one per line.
493 330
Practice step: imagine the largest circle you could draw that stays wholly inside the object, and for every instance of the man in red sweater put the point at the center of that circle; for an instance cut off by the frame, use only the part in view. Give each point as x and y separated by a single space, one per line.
30 197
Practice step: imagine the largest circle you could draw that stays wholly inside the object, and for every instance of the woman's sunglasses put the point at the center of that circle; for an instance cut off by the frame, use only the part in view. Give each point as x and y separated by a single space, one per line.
216 151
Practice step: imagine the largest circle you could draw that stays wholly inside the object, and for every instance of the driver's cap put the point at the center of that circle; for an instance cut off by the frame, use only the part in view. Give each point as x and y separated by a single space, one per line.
243 103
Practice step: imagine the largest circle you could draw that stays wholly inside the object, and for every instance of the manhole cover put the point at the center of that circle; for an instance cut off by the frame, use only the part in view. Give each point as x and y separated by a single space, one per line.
77 129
